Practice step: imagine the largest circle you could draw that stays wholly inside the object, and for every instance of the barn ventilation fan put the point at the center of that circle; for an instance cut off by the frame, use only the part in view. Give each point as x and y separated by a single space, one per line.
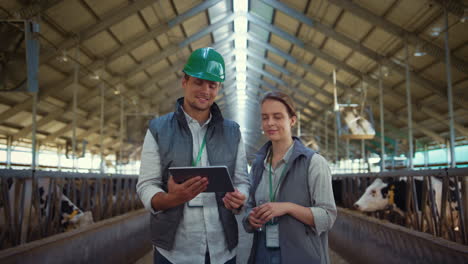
19 56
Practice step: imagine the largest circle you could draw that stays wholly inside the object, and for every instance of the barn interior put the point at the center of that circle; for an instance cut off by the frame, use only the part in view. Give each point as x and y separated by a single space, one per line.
380 87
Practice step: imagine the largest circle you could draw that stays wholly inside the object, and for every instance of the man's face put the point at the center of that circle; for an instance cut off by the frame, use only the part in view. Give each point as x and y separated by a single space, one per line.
199 94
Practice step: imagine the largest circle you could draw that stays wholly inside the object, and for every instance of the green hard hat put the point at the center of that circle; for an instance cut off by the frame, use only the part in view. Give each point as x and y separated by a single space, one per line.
207 64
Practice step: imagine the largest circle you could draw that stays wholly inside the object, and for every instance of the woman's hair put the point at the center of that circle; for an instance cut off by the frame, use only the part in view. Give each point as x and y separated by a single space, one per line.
282 98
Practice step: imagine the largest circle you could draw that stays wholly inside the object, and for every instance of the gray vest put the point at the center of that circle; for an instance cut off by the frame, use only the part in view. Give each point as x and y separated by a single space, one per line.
298 243
174 140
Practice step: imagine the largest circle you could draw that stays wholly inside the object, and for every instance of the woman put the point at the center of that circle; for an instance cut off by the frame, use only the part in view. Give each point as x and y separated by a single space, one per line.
291 206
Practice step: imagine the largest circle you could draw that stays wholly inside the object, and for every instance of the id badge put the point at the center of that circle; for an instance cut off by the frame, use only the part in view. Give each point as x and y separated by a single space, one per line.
197 201
272 235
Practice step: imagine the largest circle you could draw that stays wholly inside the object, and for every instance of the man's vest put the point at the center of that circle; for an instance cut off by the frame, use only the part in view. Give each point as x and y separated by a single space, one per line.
175 143
298 242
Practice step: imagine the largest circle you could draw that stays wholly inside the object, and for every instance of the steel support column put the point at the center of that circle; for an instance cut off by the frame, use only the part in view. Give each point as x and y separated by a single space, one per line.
101 130
326 133
8 151
382 124
122 116
76 74
34 132
409 108
449 91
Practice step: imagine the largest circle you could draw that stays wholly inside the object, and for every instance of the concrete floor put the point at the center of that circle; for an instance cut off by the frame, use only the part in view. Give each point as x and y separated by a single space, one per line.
243 250
335 259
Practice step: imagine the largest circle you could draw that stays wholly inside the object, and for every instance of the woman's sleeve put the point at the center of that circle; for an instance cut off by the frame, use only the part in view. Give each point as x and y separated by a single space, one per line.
245 222
320 189
249 206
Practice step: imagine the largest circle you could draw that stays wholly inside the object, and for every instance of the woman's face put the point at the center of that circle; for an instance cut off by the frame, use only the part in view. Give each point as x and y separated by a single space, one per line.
276 123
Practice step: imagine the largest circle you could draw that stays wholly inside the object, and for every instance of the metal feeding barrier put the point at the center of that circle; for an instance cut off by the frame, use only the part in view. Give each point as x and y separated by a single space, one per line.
33 203
435 201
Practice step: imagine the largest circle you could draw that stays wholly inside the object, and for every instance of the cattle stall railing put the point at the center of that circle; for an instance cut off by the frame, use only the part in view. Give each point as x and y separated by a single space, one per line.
431 201
38 204
362 239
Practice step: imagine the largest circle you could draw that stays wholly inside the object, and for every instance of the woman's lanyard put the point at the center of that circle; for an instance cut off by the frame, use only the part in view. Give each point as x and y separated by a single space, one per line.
195 163
273 194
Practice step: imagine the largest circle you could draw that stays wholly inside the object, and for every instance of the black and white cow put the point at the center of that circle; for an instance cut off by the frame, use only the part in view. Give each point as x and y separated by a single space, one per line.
70 215
382 195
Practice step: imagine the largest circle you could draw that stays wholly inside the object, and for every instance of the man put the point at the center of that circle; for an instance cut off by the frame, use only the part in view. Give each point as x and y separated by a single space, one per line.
187 225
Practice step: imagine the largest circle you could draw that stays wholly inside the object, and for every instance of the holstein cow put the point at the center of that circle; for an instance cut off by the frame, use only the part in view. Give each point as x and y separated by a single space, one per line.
382 195
391 195
70 215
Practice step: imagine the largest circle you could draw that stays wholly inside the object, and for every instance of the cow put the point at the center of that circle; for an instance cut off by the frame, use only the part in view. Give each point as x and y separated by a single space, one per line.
391 195
71 216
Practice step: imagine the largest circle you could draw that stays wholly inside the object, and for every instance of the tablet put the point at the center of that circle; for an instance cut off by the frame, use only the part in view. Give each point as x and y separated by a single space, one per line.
218 177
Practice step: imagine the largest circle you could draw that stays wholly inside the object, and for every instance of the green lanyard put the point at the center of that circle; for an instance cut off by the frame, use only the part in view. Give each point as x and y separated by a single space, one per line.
195 163
273 194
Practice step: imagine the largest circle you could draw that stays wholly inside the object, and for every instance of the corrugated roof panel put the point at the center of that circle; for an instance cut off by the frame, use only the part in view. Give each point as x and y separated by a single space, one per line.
101 44
183 5
261 9
150 17
121 65
137 79
286 22
128 28
146 49
106 7
163 10
48 75
336 49
195 23
71 15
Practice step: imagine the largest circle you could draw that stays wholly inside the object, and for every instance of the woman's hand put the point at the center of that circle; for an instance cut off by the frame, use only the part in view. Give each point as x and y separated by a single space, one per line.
267 211
255 222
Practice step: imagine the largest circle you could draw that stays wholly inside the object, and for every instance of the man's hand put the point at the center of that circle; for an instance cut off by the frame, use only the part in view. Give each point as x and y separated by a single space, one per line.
233 200
179 193
186 191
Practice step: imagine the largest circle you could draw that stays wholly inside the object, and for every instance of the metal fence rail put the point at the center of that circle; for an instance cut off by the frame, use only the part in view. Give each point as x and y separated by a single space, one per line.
28 212
446 220
363 239
121 239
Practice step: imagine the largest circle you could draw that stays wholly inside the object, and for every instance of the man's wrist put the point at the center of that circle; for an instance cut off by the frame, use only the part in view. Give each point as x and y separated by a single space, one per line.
163 201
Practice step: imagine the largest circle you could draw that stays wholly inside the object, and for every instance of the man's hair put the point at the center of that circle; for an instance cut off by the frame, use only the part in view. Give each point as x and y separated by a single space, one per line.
282 98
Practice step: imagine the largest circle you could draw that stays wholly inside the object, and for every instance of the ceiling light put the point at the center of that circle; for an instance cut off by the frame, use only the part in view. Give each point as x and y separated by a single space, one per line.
241 86
94 76
385 71
465 15
63 57
240 6
241 77
418 51
435 31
